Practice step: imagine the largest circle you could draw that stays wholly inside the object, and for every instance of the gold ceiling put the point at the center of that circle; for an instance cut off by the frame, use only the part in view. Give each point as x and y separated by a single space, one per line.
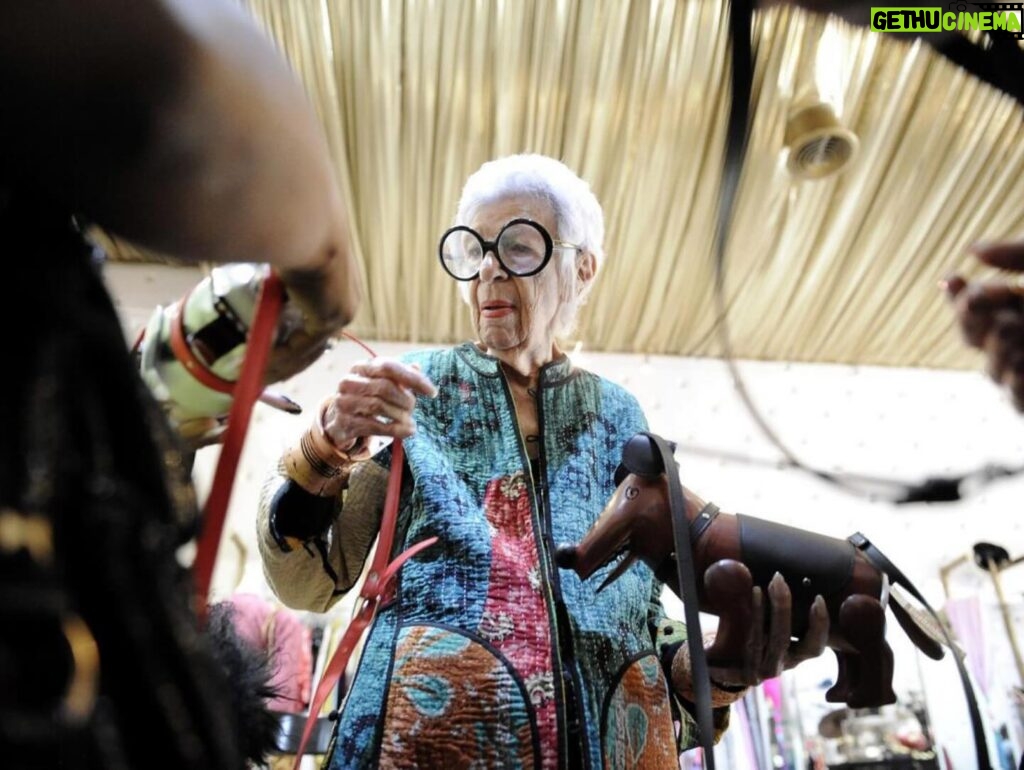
414 95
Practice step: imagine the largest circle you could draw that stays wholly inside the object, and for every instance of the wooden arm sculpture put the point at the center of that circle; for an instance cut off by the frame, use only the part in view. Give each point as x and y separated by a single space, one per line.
732 554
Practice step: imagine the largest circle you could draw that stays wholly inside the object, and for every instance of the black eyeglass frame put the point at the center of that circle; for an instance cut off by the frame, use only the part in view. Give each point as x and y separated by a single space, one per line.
549 247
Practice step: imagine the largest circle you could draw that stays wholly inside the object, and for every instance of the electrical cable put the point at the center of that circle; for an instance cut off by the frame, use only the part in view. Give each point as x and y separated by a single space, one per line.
932 489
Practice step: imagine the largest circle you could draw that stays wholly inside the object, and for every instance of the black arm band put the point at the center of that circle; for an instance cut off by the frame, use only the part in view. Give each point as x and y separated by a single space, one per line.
296 513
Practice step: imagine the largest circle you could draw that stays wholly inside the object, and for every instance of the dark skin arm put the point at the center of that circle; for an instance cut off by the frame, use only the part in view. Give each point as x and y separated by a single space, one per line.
176 124
991 316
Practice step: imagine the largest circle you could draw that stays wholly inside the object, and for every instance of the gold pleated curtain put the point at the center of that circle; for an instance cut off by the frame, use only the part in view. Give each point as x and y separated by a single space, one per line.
415 95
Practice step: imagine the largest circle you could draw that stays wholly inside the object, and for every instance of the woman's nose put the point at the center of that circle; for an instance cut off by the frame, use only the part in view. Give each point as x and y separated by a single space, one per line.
491 269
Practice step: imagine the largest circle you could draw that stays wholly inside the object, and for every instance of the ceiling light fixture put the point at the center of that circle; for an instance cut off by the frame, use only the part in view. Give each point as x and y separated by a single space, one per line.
818 145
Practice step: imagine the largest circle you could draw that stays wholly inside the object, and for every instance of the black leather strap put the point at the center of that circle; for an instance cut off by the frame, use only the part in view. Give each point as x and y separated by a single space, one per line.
702 521
691 607
740 15
881 562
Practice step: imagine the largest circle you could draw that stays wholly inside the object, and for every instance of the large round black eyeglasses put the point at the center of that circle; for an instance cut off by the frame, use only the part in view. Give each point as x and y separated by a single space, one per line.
523 248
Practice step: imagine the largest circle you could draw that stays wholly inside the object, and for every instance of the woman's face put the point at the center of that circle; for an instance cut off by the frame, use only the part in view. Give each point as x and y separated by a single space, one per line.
514 315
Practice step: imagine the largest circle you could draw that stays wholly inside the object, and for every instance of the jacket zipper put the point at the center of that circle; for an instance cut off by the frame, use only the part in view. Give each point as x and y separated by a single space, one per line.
567 658
541 521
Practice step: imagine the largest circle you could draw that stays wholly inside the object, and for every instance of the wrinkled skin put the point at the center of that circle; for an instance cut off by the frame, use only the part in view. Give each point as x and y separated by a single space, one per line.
636 524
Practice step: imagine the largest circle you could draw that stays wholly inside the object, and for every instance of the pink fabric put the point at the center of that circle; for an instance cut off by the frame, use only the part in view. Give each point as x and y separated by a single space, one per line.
772 689
278 632
515 616
965 617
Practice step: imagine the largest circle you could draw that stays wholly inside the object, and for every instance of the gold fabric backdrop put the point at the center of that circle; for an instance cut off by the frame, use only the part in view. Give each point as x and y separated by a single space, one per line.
415 95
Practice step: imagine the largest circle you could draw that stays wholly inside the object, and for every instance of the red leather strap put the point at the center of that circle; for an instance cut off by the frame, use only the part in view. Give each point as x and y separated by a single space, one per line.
376 588
247 390
334 670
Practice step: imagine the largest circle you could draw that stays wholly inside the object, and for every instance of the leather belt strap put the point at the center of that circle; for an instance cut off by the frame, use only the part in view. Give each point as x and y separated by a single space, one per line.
247 391
691 605
379 583
740 15
882 563
703 520
377 588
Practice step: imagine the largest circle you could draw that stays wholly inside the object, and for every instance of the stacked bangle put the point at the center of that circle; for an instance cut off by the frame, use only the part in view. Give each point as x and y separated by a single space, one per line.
317 464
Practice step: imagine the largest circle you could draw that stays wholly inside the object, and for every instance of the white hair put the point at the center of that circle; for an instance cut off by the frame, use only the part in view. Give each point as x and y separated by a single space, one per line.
577 212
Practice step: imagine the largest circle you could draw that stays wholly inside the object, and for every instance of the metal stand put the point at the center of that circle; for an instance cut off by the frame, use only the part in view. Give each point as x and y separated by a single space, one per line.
994 559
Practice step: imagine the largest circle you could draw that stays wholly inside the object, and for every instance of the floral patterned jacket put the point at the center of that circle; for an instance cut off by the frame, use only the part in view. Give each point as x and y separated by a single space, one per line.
489 655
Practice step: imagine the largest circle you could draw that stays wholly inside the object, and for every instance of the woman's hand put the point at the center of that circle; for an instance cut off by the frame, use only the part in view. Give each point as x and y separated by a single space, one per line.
991 316
376 398
294 352
299 340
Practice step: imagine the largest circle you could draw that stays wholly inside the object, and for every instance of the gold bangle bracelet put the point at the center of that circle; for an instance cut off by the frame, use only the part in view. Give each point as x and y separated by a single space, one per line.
317 465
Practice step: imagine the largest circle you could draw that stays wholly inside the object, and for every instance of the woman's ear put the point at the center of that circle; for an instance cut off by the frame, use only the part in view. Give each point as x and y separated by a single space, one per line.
586 267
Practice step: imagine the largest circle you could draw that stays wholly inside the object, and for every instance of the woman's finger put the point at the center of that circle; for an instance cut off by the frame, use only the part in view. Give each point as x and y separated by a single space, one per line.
1008 255
369 426
391 392
401 374
376 398
814 641
368 419
355 389
377 409
977 305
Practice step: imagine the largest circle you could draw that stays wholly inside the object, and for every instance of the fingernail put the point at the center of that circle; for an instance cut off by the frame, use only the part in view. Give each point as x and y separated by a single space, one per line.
952 285
280 401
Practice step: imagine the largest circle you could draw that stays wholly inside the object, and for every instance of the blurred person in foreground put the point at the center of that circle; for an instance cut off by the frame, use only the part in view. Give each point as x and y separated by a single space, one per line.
175 124
990 315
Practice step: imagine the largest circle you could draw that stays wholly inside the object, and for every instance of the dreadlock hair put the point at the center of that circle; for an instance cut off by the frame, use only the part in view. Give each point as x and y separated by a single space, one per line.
249 671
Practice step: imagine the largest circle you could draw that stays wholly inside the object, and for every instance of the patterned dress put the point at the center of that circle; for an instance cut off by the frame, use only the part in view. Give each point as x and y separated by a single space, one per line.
489 655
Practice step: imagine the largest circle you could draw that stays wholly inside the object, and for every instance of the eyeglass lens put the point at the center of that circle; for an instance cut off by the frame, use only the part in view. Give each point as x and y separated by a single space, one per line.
522 250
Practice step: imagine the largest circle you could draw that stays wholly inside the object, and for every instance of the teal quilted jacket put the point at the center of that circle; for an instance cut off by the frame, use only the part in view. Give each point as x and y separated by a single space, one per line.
490 656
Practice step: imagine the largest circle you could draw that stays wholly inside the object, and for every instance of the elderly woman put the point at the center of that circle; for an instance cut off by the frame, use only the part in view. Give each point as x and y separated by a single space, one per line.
489 656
